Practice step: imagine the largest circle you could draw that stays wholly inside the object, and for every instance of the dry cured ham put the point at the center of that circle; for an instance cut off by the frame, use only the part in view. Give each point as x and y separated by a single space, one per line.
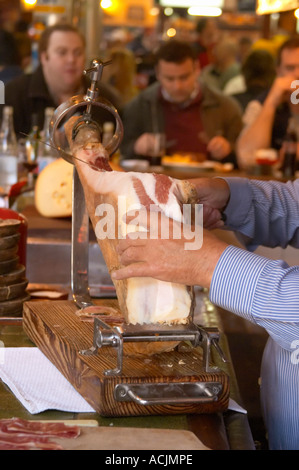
141 300
20 434
107 314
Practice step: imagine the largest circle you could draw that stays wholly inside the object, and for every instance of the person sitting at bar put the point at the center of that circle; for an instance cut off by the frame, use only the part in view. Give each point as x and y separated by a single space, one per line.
58 78
208 36
121 73
266 117
258 74
225 65
193 117
261 290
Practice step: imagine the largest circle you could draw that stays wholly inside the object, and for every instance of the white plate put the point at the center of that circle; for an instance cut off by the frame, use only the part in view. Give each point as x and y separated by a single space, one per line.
134 165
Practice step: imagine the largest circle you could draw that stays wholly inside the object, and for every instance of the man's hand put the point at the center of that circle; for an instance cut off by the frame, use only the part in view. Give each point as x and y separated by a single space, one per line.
219 147
145 144
280 90
213 194
169 259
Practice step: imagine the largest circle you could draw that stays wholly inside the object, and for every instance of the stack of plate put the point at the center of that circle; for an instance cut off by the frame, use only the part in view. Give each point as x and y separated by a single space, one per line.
13 282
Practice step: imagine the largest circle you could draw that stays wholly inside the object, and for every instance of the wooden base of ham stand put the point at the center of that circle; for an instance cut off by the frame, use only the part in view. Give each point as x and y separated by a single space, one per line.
59 333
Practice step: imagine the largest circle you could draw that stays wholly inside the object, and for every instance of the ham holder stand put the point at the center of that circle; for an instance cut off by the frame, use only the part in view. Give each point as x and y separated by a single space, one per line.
95 357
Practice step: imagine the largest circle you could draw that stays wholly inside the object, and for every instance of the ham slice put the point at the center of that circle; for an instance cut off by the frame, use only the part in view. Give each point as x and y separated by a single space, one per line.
141 300
20 434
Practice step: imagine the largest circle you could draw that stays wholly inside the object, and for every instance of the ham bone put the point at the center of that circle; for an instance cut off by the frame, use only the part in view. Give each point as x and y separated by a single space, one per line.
141 300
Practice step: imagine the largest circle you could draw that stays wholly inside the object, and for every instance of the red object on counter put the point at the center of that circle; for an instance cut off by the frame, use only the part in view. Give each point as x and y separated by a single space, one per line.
16 189
10 214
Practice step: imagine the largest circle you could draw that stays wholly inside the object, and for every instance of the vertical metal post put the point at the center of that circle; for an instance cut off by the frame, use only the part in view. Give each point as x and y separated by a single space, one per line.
80 246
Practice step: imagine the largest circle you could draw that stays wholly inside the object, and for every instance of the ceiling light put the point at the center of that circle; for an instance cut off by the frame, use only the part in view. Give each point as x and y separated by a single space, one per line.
168 11
204 11
171 32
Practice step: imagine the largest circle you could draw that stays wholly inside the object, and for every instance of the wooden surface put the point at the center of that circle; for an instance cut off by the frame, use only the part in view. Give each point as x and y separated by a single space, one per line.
218 431
107 438
60 334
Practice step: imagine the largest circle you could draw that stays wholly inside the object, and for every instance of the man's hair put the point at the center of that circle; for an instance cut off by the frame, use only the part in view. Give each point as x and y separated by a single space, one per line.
61 27
292 43
175 51
259 68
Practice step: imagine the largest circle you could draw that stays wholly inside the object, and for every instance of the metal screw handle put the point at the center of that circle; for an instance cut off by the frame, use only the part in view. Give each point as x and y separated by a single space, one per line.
96 74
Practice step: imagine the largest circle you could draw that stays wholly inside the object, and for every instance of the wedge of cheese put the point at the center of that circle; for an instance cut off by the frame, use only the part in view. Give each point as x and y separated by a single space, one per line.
53 189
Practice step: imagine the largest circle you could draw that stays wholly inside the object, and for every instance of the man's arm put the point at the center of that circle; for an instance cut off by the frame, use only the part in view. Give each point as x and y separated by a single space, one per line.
260 290
263 291
137 121
169 260
263 212
258 134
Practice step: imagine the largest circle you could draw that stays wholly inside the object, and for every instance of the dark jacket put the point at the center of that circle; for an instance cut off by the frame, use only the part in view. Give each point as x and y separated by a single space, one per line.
220 115
29 95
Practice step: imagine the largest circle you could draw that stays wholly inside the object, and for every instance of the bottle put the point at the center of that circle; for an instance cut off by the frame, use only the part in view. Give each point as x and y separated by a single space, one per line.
290 151
32 150
47 153
108 131
8 151
107 136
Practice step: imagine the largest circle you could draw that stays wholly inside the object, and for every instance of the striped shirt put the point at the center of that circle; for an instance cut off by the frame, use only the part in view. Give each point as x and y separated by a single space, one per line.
266 292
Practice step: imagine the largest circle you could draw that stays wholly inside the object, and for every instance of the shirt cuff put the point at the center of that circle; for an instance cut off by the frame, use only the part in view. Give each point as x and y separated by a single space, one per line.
235 280
239 203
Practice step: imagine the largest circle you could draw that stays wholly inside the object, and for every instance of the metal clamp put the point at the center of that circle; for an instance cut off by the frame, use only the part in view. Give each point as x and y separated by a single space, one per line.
210 337
83 104
80 221
105 335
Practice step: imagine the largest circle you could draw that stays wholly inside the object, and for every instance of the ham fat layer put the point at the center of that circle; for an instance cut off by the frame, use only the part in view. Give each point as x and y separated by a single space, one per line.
141 300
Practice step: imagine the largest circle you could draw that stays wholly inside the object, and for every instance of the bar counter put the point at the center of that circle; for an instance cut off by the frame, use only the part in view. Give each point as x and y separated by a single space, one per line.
220 431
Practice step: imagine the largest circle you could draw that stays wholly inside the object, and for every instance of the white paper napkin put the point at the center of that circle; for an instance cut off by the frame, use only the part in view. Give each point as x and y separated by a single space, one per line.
37 383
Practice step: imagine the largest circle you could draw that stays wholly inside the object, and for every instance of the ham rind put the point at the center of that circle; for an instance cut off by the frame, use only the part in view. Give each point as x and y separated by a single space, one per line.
141 300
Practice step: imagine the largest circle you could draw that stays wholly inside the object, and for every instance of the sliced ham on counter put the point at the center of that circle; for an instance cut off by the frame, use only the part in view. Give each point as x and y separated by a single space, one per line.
141 300
107 314
20 434
27 442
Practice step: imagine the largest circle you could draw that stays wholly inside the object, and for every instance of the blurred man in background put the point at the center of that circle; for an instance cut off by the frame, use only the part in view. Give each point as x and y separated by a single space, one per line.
193 117
58 77
266 118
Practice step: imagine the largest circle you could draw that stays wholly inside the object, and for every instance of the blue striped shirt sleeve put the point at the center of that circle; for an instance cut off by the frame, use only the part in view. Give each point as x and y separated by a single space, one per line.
263 291
264 212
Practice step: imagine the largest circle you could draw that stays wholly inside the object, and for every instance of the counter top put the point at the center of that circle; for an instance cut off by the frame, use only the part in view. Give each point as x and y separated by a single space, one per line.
227 431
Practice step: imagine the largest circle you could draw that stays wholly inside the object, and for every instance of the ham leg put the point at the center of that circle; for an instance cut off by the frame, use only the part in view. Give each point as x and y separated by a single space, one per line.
141 300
